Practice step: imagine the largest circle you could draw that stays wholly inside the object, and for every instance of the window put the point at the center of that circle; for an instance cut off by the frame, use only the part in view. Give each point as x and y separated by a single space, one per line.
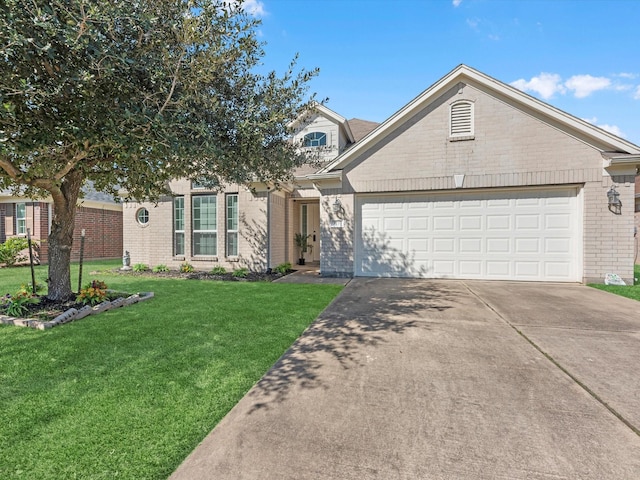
178 226
461 120
142 216
232 225
205 230
315 139
21 218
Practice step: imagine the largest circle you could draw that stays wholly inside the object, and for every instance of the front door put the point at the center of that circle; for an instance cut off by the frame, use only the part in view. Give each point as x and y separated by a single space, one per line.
310 225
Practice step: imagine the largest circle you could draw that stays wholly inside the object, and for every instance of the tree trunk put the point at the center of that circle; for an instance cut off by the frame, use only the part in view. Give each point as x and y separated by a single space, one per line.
61 236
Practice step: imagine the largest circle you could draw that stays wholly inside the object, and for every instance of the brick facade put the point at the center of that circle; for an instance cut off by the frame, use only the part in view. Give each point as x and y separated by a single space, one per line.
153 244
511 148
103 229
517 143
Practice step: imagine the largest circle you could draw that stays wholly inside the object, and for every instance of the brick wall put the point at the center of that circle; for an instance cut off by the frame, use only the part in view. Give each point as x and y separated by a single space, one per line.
153 244
510 148
103 233
103 229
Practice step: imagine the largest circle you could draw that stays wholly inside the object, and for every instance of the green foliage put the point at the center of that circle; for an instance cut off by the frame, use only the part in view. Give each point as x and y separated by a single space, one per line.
302 242
10 251
160 268
218 270
93 293
130 95
127 396
186 267
17 305
241 272
283 268
140 267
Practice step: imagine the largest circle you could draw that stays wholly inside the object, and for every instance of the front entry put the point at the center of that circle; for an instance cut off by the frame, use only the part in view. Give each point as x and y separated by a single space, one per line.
310 225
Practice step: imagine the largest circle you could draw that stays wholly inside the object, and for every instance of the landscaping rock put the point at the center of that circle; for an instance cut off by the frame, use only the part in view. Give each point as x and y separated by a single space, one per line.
65 317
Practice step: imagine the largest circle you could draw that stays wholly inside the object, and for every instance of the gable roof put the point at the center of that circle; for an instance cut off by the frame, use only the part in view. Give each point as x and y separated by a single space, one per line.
329 114
574 126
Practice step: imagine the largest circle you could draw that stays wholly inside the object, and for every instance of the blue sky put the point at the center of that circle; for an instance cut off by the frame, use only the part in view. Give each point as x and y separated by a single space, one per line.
376 55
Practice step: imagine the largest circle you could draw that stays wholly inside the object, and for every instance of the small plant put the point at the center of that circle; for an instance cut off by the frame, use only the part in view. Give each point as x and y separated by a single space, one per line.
28 288
186 267
160 268
219 270
93 293
17 305
302 242
140 267
240 273
282 268
10 251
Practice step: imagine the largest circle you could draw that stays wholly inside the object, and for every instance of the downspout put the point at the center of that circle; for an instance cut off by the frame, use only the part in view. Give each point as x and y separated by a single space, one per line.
268 229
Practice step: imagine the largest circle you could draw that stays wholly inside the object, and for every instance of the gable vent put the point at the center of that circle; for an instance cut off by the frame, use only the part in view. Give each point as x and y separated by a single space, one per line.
461 119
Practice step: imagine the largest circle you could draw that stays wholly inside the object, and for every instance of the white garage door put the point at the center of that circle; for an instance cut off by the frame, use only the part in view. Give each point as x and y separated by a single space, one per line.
529 235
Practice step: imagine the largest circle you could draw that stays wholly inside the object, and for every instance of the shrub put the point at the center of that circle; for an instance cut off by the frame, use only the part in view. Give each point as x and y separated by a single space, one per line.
160 268
16 305
219 270
282 268
93 293
241 272
10 251
28 288
140 267
186 267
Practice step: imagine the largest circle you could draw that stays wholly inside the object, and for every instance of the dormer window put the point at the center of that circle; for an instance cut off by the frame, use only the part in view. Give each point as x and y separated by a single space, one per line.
315 139
461 121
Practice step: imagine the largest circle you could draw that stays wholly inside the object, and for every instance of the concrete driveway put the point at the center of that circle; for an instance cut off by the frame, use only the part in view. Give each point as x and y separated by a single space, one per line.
426 379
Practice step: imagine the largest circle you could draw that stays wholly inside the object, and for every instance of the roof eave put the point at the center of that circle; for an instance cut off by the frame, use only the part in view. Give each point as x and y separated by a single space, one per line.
462 73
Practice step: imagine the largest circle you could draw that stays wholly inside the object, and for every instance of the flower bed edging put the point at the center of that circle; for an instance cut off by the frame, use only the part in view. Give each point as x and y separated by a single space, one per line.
75 314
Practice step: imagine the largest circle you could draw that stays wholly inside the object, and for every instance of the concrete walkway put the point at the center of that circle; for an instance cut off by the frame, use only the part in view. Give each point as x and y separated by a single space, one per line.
413 379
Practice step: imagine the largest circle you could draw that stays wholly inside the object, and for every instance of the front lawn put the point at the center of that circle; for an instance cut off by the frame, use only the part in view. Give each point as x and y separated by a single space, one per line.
631 291
129 393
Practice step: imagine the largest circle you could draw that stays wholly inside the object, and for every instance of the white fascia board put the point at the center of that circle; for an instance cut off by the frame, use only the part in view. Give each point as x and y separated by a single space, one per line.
325 112
463 73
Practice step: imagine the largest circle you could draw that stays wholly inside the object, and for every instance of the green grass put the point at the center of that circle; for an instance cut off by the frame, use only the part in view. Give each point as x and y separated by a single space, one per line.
129 393
630 291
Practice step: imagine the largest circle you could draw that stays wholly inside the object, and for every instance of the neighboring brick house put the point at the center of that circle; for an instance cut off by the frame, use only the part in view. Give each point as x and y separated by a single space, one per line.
98 214
472 179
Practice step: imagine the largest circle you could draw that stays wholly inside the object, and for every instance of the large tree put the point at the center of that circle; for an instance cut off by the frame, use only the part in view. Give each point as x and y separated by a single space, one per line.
129 94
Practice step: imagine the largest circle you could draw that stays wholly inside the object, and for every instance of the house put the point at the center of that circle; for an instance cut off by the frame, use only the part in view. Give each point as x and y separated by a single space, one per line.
472 179
97 214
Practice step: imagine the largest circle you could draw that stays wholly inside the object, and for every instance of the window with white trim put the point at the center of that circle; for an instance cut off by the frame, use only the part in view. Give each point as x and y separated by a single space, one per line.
21 218
315 139
461 119
205 229
232 224
178 226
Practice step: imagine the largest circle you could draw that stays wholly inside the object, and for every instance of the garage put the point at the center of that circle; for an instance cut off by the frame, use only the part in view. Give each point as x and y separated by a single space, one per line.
525 235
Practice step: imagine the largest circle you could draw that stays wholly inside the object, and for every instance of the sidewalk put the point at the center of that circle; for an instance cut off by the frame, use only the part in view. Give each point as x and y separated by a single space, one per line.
311 274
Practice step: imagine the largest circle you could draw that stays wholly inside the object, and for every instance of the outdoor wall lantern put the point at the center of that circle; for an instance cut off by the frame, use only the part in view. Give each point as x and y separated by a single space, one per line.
615 205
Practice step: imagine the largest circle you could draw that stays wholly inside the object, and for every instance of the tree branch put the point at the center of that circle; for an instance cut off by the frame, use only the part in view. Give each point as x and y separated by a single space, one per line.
174 81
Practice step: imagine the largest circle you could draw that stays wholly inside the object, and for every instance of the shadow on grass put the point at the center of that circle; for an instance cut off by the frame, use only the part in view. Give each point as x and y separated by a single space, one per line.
361 316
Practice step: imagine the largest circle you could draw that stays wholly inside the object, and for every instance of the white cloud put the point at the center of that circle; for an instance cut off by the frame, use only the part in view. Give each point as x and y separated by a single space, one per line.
546 85
456 3
636 94
254 8
585 85
609 128
473 23
612 129
630 76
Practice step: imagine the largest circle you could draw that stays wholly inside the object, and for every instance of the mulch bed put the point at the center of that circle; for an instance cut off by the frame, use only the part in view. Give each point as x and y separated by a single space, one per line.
227 277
